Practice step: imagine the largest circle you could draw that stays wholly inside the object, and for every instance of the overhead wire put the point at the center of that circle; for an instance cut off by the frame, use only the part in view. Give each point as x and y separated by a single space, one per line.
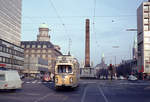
63 24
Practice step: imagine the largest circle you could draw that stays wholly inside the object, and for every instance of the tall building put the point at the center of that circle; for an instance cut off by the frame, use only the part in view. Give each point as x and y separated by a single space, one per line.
11 54
42 48
10 21
143 37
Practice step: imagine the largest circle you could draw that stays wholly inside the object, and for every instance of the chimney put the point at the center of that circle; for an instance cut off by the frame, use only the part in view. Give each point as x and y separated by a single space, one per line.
87 43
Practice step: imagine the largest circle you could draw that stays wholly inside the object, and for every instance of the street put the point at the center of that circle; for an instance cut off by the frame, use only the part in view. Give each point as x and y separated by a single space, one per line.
88 91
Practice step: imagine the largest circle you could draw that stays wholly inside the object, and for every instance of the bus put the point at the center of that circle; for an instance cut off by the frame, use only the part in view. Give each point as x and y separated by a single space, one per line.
66 72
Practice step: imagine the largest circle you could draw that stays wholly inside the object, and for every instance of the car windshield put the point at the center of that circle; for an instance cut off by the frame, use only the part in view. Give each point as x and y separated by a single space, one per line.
64 69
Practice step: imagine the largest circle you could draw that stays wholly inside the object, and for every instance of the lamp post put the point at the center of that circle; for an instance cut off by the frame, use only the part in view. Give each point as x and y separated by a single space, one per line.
115 47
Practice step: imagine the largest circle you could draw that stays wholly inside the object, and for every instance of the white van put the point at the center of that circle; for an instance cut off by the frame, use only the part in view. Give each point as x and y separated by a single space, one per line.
10 80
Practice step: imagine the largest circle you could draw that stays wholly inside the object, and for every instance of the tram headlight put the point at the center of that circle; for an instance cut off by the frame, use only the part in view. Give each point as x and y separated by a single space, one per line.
56 80
71 79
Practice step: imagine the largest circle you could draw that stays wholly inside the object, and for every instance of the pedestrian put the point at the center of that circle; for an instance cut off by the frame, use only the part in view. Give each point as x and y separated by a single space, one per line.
111 71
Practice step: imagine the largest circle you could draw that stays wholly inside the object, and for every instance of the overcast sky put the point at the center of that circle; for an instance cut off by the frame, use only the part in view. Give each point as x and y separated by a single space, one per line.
108 27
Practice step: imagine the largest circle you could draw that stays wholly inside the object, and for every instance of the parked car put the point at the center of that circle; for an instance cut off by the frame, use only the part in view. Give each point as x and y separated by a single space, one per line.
10 80
132 78
121 78
22 76
46 78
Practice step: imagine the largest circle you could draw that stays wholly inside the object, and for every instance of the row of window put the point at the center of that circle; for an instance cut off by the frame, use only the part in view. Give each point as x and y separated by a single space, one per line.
36 46
39 55
11 51
38 51
11 61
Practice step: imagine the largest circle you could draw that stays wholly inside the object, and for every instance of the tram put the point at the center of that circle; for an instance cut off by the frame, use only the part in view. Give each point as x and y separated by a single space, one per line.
66 72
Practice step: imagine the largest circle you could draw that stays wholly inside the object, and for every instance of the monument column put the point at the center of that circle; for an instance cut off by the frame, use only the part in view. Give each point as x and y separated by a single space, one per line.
87 43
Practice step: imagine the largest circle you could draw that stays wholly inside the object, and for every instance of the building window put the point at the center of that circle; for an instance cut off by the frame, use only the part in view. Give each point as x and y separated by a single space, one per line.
147 47
32 51
147 40
146 27
0 48
145 8
39 46
3 59
44 46
44 51
33 46
3 49
22 46
44 56
146 21
38 51
49 51
0 59
28 46
32 55
145 15
38 55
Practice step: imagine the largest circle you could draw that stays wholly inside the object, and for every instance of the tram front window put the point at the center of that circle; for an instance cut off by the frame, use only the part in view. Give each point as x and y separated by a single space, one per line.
64 69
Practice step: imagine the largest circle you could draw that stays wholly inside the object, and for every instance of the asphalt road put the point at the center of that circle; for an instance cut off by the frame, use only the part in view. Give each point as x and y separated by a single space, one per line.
88 91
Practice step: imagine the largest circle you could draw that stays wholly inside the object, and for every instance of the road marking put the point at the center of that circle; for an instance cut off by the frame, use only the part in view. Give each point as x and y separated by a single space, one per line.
39 82
34 81
42 98
101 91
27 82
84 94
135 83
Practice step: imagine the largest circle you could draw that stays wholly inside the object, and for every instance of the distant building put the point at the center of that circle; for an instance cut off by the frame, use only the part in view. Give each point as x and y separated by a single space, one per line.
143 36
36 65
135 52
102 65
42 48
11 54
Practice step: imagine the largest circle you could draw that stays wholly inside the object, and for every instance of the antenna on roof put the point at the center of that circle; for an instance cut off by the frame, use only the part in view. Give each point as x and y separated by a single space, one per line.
69 47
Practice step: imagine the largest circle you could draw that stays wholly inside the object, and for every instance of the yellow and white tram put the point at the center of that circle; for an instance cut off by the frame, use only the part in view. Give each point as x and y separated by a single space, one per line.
66 71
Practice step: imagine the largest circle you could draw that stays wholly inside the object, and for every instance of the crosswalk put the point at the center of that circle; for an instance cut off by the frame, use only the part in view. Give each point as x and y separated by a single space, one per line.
35 82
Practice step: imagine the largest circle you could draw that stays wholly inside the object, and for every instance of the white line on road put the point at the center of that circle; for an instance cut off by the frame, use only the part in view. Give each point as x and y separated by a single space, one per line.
101 91
42 98
34 81
39 82
135 83
84 94
27 82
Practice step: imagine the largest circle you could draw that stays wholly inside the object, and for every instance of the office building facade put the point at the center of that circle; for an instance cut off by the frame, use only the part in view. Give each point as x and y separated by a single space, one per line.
10 21
11 54
143 37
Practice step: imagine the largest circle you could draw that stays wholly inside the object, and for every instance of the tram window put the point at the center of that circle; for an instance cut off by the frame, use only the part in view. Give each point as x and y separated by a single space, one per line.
61 69
69 69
